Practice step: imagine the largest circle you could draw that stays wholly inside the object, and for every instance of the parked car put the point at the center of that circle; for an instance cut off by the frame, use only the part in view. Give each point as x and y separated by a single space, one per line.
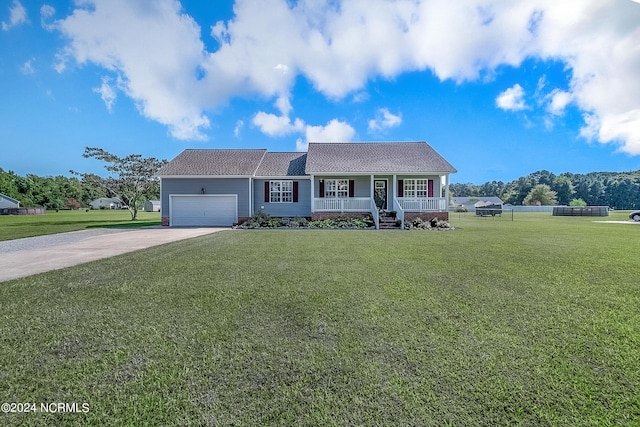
635 215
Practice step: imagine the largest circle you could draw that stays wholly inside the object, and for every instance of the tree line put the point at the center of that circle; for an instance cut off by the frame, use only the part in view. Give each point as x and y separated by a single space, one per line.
619 190
57 192
132 179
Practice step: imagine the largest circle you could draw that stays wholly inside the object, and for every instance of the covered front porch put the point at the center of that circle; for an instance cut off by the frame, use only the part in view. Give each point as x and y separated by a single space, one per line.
398 194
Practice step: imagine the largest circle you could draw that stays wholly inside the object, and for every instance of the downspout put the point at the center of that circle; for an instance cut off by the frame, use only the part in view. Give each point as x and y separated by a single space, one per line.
250 196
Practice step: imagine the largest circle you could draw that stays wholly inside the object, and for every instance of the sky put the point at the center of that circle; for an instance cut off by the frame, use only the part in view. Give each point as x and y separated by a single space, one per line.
499 88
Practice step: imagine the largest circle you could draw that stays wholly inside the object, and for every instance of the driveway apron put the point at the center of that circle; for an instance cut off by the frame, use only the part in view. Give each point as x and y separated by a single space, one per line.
33 255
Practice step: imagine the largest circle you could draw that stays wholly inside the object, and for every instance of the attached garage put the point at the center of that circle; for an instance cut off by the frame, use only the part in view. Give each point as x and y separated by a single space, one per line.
220 210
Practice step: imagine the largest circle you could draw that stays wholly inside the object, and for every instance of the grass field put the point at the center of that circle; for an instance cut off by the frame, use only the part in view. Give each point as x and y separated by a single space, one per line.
530 322
19 226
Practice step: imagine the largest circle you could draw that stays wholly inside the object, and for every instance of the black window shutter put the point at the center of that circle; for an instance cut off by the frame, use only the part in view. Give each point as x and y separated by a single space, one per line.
351 188
295 191
266 192
321 188
400 188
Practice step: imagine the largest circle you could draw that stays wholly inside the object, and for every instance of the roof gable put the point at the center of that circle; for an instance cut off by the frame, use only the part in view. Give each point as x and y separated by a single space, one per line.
282 164
375 157
213 162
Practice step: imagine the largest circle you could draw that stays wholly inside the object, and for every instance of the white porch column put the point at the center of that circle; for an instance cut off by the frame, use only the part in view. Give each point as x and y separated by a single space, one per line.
446 192
312 192
371 192
394 188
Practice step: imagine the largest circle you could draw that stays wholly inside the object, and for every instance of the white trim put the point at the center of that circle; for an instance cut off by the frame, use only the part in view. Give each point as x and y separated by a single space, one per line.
337 189
270 177
387 173
386 188
203 176
280 191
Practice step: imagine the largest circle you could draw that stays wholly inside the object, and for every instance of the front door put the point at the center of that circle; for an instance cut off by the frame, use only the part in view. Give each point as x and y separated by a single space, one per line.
380 193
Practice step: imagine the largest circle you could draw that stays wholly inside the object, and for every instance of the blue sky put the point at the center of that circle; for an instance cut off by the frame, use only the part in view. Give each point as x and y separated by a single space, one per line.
500 88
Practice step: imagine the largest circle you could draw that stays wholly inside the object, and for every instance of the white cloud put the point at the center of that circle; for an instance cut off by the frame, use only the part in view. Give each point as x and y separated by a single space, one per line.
17 16
46 13
338 46
334 131
28 67
281 125
384 120
154 47
107 93
238 128
512 99
558 101
274 125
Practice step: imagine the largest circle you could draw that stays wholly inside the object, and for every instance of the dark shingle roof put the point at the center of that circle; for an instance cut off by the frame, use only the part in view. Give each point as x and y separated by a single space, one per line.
327 158
282 164
214 163
375 157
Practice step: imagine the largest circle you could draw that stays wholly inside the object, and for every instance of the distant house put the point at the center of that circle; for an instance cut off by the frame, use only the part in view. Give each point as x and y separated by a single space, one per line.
152 206
471 203
106 203
223 187
7 202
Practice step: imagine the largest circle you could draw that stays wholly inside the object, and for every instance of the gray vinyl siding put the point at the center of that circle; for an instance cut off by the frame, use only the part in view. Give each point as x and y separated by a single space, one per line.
301 208
239 186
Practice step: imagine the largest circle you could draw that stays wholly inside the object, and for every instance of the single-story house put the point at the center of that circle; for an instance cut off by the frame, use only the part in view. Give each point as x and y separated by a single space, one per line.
106 203
471 203
7 202
152 206
221 187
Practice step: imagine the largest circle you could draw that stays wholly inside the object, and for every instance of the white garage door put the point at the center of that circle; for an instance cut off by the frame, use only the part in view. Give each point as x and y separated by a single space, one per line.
203 210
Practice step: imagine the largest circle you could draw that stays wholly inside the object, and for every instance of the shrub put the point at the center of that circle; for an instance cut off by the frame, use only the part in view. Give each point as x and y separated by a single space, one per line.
341 222
577 202
257 220
298 221
274 222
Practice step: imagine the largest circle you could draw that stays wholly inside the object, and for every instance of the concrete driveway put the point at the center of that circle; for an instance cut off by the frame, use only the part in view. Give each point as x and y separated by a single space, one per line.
24 257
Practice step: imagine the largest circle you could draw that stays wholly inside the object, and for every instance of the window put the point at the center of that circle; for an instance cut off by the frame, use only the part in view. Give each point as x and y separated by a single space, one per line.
281 191
336 188
416 188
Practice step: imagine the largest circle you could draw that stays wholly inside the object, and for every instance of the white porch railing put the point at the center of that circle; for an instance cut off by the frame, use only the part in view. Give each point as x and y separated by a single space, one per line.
438 204
399 212
352 204
374 213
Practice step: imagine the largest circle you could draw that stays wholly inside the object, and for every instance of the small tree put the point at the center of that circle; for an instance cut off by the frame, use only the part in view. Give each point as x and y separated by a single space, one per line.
130 178
541 195
577 202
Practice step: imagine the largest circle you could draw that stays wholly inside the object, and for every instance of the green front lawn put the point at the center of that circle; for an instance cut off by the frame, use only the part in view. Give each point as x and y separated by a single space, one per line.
530 322
19 226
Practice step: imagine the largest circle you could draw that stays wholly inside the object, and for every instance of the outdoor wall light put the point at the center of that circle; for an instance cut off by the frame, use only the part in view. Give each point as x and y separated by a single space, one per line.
202 190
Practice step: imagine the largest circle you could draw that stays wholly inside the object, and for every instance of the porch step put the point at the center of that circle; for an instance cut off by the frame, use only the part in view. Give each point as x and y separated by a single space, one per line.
387 223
